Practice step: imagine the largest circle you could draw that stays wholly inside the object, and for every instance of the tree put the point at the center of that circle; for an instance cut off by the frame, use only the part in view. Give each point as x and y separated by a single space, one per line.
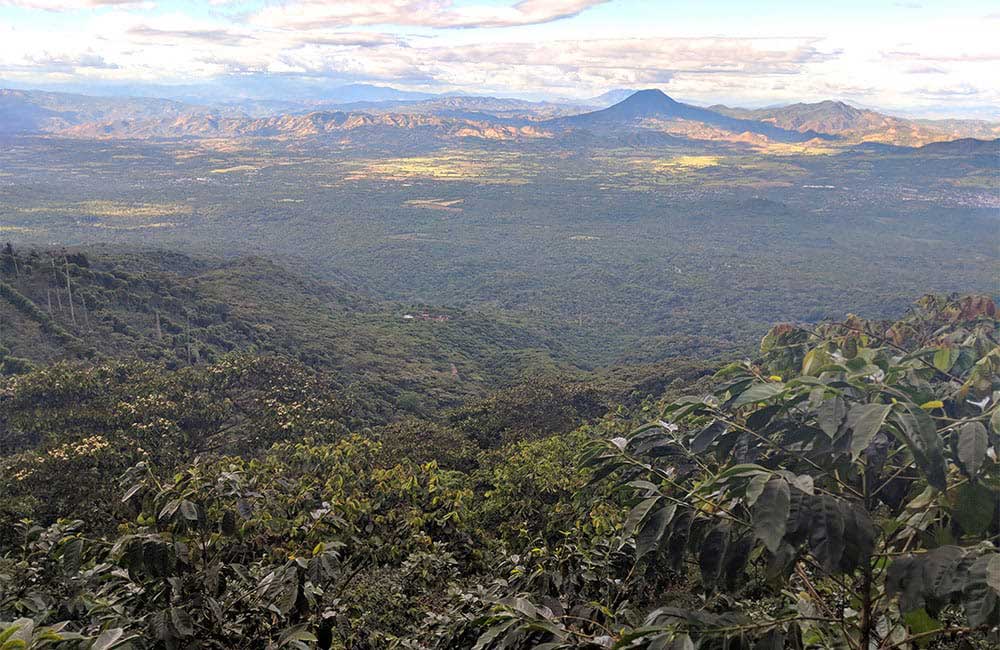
860 492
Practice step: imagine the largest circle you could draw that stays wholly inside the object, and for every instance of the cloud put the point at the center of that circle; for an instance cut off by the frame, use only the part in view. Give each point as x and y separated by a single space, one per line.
314 14
67 62
147 34
622 62
347 39
436 45
909 55
72 5
963 90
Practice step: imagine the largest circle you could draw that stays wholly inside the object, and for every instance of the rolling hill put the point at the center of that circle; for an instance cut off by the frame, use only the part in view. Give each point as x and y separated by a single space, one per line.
861 125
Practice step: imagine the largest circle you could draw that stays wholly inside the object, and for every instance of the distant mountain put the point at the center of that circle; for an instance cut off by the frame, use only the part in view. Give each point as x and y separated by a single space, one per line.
239 88
34 111
644 116
371 93
471 106
609 98
319 123
860 125
655 110
965 147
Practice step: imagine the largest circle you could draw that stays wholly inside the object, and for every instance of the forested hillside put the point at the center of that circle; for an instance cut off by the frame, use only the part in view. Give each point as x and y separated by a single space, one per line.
838 489
176 310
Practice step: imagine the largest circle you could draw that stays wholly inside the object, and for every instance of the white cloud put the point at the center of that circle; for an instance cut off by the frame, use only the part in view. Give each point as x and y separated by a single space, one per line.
920 64
74 5
312 14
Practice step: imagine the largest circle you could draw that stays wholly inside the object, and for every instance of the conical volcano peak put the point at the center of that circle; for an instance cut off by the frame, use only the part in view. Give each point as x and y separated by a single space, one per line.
649 93
650 97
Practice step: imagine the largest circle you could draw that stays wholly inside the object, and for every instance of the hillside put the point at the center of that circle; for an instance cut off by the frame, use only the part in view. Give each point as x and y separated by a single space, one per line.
363 126
861 125
35 111
178 310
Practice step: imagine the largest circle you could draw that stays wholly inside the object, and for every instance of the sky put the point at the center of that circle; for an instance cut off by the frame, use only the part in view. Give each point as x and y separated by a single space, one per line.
935 59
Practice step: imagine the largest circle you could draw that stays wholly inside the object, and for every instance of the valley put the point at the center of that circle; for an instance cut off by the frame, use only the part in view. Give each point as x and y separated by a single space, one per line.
623 247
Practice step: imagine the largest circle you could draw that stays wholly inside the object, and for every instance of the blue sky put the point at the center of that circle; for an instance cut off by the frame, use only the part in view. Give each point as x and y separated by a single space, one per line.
913 57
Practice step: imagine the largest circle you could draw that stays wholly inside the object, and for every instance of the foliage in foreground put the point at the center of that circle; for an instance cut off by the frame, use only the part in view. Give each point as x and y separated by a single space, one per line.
839 492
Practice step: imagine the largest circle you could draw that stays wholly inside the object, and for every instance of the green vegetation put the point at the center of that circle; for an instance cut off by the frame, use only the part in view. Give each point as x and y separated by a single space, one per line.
176 311
620 253
841 490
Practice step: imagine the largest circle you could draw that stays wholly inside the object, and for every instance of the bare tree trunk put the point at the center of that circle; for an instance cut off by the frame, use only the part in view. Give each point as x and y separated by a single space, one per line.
86 314
159 331
59 299
69 292
48 298
189 338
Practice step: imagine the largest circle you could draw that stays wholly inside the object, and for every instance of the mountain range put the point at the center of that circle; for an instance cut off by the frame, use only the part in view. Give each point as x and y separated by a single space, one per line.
642 116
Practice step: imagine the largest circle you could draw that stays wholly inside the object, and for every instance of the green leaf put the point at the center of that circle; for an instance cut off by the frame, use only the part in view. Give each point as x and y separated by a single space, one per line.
978 597
755 488
651 532
181 621
826 537
639 512
707 436
169 509
490 635
993 572
228 524
974 507
919 622
972 443
867 422
71 552
940 574
918 431
712 557
770 513
189 510
132 491
759 393
814 360
945 358
20 630
682 642
297 633
107 639
831 414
